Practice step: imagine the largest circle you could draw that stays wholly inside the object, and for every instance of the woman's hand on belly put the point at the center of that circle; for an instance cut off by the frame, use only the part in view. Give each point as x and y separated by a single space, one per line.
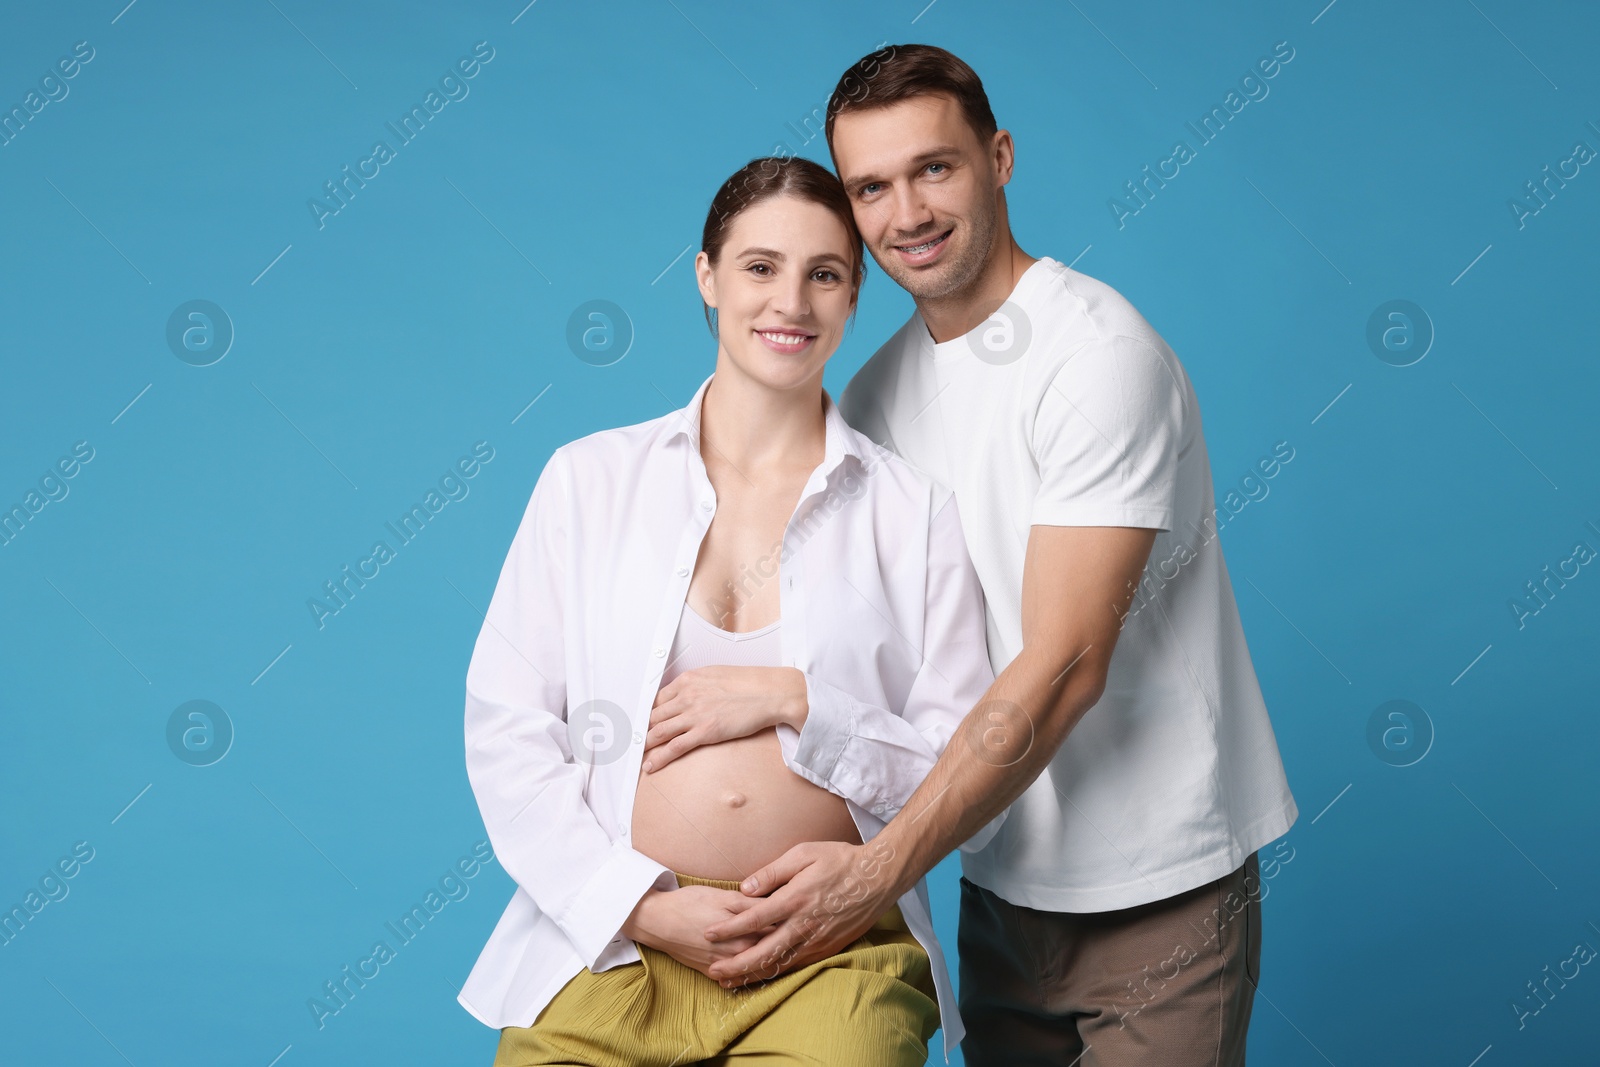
711 704
674 921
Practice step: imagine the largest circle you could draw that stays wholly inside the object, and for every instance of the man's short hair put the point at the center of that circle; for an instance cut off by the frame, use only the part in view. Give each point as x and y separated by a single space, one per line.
901 71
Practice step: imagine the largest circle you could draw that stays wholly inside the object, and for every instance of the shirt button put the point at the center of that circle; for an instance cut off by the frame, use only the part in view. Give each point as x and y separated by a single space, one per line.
705 505
660 652
683 571
637 737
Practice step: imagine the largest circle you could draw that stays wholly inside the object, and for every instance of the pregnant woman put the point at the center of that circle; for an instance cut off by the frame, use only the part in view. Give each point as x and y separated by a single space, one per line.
720 633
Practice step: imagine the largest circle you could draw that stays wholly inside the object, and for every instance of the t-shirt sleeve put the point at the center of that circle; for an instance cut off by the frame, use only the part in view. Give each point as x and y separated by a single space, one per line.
1106 438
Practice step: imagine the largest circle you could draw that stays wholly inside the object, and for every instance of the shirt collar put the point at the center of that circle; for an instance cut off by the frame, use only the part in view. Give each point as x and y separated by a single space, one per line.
840 441
1022 292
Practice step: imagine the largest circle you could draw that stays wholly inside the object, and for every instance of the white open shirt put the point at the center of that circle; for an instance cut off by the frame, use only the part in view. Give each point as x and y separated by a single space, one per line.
881 609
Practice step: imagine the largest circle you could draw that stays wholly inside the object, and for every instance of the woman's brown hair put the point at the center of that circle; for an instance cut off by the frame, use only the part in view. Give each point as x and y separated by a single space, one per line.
773 176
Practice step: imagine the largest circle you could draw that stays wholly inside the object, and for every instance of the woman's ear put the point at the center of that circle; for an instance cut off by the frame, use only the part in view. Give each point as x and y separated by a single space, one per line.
705 278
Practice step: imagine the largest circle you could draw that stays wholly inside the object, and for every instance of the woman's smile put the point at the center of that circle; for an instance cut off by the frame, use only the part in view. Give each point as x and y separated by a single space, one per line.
787 341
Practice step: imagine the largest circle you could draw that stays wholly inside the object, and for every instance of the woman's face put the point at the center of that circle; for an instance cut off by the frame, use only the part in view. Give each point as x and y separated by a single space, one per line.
781 288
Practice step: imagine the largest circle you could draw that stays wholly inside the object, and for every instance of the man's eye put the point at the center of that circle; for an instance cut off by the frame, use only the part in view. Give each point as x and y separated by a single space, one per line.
932 165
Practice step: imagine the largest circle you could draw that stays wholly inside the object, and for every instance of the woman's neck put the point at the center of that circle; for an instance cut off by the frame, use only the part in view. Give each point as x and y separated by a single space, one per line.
751 426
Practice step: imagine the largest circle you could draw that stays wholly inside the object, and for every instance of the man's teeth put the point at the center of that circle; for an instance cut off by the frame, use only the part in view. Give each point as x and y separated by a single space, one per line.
917 250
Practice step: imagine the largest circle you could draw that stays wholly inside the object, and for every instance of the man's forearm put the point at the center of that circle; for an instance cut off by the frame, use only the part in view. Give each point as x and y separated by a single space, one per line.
993 757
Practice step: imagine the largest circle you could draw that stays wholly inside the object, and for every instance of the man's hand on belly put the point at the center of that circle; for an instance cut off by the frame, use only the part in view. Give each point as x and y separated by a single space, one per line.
821 895
711 704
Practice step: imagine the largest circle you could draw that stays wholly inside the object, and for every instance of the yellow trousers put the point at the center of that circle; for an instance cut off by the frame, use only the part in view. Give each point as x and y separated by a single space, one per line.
871 1005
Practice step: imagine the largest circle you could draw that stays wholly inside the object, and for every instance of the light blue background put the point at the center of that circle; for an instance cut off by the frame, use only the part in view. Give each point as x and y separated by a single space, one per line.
431 311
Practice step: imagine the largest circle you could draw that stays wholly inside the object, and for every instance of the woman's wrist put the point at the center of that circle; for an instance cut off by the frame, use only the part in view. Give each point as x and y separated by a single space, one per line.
639 926
795 704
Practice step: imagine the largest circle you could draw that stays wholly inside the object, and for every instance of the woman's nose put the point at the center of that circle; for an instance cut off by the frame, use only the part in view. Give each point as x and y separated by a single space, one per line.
792 299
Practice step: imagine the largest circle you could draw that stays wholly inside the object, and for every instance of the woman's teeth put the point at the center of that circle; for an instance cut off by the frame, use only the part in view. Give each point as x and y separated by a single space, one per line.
784 338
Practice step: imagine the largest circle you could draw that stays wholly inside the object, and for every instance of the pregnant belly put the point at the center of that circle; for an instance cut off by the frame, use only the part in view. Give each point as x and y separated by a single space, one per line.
725 810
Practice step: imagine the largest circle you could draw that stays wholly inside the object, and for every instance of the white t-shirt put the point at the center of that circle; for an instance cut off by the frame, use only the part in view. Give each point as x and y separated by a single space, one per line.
1067 409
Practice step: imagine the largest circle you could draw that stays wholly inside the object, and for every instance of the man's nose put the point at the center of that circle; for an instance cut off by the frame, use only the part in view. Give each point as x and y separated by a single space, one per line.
909 215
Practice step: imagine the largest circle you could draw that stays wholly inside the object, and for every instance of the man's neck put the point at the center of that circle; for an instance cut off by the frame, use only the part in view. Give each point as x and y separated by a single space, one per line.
952 316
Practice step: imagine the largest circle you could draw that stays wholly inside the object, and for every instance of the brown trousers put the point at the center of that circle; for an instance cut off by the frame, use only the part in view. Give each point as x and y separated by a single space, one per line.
1164 984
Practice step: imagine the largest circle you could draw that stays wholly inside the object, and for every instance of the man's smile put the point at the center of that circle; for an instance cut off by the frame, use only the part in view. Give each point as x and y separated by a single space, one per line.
925 251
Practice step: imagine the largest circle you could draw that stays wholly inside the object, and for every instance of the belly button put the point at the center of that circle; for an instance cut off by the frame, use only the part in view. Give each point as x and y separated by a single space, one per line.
734 800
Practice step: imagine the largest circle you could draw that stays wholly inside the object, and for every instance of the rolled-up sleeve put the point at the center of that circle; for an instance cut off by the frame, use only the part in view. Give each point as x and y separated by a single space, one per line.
877 756
519 753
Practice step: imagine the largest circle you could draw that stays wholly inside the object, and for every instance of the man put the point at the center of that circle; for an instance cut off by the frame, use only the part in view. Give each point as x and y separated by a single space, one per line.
1115 917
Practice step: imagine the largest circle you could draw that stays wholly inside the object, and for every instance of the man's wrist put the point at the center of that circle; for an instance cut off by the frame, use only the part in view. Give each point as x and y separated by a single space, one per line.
888 858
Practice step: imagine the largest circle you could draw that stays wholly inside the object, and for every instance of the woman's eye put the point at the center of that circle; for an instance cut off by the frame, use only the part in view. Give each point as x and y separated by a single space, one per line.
828 275
759 267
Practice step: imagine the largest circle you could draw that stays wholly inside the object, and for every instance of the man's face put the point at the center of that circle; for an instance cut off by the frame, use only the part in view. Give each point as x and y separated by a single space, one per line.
924 190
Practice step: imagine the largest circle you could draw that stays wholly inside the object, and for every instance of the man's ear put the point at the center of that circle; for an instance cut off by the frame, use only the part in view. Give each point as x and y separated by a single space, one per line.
705 279
1005 156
